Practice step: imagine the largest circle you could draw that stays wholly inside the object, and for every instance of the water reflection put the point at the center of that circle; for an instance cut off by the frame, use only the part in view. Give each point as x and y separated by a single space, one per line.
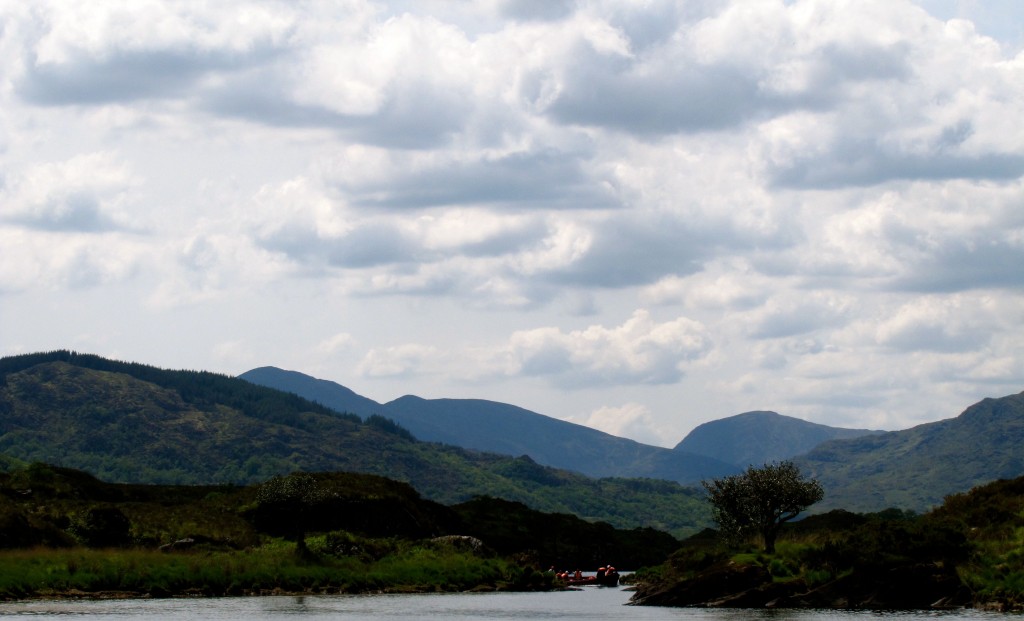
591 604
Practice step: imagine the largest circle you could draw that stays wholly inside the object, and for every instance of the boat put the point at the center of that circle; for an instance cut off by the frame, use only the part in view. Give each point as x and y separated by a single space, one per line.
607 578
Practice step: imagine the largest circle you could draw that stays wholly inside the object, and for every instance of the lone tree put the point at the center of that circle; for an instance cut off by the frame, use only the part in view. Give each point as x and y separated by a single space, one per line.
760 500
289 505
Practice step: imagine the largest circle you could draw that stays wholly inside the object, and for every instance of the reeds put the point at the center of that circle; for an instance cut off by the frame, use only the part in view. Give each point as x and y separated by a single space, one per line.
273 567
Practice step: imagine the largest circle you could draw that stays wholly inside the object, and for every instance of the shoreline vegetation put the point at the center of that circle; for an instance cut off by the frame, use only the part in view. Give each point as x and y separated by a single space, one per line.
966 553
271 569
64 533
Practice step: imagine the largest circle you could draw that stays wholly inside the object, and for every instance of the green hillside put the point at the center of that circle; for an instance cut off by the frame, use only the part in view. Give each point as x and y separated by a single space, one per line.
916 468
132 423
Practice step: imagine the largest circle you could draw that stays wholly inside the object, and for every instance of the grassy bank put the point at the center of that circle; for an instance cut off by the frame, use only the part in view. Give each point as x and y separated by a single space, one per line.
269 568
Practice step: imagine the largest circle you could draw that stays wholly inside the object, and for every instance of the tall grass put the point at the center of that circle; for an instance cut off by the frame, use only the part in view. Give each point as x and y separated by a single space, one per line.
274 566
996 570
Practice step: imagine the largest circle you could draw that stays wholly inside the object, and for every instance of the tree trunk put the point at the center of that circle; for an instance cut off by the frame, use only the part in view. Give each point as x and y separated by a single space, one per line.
769 535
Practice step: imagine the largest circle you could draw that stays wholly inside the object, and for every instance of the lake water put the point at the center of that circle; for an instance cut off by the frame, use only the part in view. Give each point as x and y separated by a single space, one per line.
590 604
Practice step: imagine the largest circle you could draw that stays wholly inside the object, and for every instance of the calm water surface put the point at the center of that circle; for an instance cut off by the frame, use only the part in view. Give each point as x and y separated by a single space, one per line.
590 604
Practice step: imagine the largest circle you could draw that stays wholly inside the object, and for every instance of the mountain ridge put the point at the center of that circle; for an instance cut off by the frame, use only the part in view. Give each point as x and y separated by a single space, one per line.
132 423
901 468
870 472
492 426
761 436
127 421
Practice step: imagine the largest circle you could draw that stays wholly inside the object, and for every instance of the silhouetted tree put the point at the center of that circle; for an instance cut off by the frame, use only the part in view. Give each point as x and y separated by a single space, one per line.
287 504
760 500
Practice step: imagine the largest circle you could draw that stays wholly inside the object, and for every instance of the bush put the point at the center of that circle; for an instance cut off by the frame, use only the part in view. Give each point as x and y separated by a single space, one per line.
102 527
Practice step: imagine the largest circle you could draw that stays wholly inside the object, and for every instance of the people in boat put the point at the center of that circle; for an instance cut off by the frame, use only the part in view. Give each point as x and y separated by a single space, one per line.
577 575
600 572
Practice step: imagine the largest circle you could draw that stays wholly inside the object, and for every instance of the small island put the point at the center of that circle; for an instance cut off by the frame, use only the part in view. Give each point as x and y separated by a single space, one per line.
968 552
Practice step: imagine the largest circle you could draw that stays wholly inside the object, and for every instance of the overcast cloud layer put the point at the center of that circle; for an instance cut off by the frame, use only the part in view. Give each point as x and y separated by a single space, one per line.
638 216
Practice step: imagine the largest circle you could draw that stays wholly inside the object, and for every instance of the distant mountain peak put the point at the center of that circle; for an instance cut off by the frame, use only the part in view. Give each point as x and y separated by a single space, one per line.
324 392
759 437
492 426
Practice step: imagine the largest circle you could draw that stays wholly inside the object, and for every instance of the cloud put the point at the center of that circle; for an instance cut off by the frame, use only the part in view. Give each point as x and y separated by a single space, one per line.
640 351
105 53
970 264
800 315
54 262
817 201
931 118
400 361
300 220
632 420
736 289
120 78
942 325
859 162
401 83
542 179
541 10
341 341
636 99
635 250
87 193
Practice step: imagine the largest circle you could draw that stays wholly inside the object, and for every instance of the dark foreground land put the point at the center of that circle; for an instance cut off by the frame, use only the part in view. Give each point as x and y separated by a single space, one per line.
64 533
969 552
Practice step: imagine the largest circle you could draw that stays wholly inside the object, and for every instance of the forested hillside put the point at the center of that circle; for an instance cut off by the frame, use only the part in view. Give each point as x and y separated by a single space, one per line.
916 468
134 423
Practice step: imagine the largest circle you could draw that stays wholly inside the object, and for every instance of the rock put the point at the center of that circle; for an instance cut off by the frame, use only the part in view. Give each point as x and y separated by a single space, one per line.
920 586
909 587
716 584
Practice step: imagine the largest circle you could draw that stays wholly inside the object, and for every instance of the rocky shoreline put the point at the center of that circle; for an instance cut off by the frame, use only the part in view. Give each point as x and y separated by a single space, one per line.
731 585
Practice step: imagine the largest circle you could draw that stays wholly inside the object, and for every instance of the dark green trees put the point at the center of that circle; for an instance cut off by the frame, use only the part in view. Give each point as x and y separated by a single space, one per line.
760 500
287 504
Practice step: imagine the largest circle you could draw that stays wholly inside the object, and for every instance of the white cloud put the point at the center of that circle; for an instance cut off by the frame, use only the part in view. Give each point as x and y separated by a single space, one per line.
56 261
339 342
87 193
817 201
799 315
401 361
640 351
632 420
951 324
111 52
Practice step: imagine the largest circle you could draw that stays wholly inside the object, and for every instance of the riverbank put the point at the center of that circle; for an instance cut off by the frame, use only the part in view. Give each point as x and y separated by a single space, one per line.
969 552
270 569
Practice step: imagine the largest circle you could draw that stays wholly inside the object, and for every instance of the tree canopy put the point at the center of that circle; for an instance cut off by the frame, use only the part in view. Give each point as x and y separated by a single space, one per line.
760 500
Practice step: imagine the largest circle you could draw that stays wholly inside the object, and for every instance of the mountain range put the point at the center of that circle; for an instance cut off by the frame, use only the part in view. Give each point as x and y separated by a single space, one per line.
506 429
133 423
129 422
917 468
714 449
860 469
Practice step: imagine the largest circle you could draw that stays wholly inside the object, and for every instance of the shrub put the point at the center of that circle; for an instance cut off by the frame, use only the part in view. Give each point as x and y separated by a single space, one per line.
102 527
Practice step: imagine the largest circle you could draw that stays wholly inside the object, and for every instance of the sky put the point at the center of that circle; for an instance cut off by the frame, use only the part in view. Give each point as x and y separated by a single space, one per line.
638 216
